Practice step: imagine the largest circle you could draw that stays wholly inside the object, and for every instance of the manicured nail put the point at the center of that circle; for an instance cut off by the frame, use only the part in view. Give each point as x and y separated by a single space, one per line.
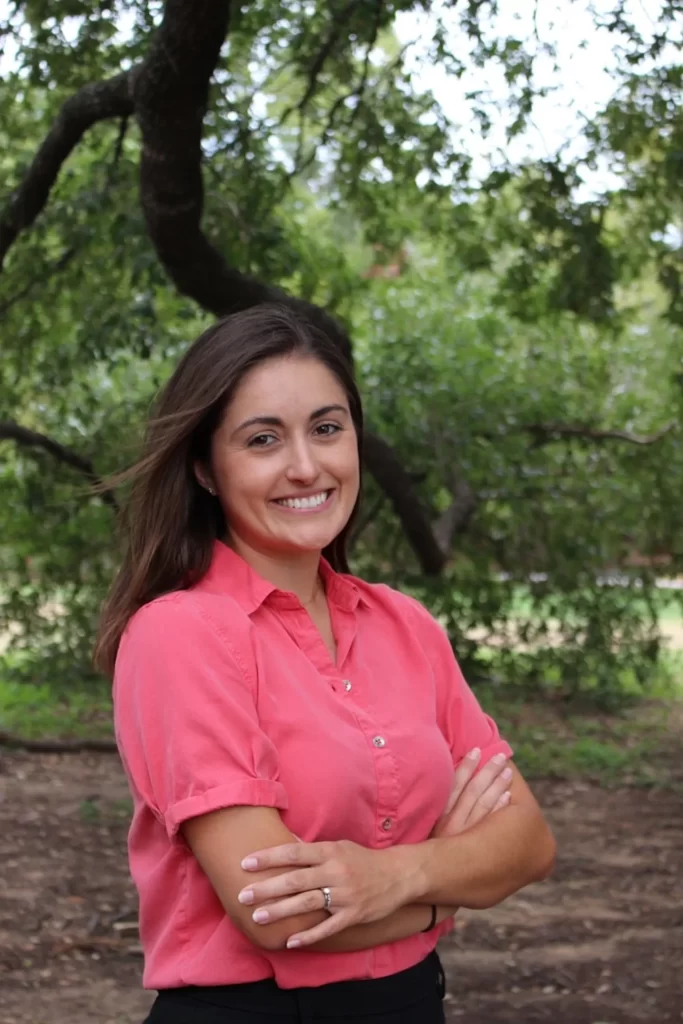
293 943
499 759
505 799
249 863
260 916
246 896
474 754
507 774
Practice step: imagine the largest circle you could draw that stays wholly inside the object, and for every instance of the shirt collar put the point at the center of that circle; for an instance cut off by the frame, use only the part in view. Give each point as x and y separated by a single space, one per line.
229 573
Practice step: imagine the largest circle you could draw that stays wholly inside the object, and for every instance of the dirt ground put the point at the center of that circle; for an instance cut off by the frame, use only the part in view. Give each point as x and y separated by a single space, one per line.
599 943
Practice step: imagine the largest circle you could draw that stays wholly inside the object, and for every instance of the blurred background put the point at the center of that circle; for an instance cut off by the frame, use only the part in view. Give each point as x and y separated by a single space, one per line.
488 199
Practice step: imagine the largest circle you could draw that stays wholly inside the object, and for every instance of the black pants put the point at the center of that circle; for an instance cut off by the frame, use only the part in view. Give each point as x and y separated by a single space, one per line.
414 996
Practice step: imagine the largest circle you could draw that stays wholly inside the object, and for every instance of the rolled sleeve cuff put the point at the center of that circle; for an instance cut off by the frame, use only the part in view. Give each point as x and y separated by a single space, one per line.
241 793
499 747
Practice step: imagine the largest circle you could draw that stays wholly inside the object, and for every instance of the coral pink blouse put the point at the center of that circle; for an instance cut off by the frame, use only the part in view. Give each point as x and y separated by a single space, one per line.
225 695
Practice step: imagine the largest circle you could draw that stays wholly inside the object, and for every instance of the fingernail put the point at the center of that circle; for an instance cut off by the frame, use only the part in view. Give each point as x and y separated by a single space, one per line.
293 943
474 753
246 896
260 916
249 863
505 798
499 759
507 774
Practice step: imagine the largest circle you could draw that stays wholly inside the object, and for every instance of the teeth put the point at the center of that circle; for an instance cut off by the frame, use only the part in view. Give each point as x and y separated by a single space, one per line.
312 502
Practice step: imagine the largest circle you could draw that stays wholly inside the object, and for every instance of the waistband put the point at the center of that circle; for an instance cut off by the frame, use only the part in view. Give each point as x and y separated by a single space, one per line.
337 999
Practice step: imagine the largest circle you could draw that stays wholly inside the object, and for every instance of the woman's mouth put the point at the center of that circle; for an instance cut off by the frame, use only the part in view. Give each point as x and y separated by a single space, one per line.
306 503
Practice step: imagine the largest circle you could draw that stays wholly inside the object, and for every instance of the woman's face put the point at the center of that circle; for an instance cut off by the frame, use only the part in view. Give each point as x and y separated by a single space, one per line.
284 459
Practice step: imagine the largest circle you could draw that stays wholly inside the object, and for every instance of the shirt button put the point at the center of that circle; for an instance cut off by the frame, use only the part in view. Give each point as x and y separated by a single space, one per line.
379 741
347 685
386 824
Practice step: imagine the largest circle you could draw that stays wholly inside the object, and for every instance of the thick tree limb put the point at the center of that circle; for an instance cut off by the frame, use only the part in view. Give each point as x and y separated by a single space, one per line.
95 102
545 433
10 431
395 481
63 261
457 516
171 95
168 93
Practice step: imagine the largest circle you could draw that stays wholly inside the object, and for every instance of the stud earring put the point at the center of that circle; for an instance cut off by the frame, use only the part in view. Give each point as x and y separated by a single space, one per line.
211 491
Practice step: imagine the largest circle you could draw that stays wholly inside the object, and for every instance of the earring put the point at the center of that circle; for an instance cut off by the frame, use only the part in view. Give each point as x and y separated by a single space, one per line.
211 491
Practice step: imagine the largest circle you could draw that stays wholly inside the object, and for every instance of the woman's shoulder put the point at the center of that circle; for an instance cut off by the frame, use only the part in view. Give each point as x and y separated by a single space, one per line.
182 616
187 603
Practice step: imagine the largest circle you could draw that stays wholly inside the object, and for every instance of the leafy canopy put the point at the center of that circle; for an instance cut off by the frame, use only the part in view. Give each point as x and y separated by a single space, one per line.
535 317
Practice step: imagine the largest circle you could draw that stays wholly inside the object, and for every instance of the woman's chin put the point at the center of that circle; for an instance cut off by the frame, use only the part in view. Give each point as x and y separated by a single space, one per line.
307 541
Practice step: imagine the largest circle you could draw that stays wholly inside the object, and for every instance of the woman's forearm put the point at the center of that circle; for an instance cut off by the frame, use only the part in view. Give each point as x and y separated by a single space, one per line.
482 866
402 924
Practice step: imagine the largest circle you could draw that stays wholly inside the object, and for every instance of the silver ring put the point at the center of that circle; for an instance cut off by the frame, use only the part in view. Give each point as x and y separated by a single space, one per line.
327 896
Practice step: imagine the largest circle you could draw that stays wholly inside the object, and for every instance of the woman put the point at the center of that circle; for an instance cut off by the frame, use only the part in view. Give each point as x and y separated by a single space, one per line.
299 839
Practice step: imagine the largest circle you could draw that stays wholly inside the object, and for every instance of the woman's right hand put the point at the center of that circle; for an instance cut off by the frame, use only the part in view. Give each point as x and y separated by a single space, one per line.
474 797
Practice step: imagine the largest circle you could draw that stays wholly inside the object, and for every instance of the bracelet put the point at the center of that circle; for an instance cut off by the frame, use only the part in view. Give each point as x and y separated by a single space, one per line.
432 920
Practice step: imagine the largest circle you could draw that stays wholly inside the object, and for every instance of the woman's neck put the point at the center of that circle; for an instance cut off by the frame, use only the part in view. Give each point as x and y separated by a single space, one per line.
297 573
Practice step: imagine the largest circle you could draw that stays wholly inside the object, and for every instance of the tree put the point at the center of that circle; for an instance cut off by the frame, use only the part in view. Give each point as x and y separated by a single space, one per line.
564 526
200 144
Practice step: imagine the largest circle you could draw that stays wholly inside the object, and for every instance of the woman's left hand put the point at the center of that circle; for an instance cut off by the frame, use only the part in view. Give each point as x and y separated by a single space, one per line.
365 885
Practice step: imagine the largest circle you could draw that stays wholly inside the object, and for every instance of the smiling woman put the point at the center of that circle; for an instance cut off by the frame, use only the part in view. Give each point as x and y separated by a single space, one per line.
316 789
284 461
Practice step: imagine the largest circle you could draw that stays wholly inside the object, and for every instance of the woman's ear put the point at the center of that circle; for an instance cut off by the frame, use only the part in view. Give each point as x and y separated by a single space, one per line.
203 478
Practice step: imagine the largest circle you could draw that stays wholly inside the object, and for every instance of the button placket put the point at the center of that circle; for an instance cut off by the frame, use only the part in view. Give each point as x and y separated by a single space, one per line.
387 823
387 776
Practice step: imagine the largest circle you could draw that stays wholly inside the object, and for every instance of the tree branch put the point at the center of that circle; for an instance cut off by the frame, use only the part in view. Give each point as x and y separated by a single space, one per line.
339 23
356 92
546 433
169 93
10 431
63 261
457 516
395 481
171 96
95 102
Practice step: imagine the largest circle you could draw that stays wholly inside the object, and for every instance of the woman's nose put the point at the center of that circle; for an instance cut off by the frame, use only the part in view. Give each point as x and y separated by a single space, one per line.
303 465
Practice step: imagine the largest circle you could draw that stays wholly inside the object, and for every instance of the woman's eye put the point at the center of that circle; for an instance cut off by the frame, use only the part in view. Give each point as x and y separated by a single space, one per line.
327 429
262 441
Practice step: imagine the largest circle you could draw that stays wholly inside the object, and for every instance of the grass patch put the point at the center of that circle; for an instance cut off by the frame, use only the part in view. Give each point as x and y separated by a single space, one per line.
94 811
635 747
36 711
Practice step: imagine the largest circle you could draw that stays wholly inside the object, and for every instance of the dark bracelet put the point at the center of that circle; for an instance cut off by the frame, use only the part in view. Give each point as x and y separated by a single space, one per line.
432 921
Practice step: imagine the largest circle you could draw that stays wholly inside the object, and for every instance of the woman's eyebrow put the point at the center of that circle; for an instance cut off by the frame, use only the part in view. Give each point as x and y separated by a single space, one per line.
275 421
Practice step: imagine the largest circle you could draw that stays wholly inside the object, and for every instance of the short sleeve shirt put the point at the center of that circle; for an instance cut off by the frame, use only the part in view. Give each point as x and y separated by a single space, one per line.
226 695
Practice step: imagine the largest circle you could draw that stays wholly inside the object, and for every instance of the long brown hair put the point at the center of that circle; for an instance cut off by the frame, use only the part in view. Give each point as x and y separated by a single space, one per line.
171 522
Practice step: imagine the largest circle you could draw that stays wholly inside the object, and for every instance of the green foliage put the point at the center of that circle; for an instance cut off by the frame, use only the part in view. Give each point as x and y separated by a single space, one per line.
521 304
635 747
49 710
530 594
